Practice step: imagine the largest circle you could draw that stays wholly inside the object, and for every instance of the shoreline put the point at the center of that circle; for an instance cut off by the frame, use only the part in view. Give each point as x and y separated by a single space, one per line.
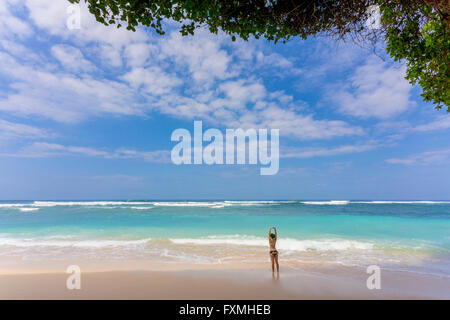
151 280
186 250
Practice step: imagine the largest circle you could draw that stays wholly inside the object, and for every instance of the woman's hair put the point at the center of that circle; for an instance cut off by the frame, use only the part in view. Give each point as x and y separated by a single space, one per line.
272 235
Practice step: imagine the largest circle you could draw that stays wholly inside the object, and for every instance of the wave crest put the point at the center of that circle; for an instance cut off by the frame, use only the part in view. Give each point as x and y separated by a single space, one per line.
283 244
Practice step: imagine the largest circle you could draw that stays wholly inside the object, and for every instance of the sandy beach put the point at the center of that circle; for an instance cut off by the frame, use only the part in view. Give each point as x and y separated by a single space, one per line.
181 150
150 280
219 250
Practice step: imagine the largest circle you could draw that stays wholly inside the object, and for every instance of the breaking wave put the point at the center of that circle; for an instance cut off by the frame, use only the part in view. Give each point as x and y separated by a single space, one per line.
284 244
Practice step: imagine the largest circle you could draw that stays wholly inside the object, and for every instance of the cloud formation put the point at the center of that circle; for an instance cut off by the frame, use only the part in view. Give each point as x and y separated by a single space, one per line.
97 71
434 157
301 153
11 130
374 90
47 150
70 76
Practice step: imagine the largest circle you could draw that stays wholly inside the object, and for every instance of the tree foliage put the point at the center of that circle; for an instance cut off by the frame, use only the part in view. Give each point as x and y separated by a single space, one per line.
414 31
421 38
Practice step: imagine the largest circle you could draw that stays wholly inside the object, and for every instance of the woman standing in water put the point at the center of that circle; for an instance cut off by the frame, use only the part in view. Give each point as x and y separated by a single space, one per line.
272 250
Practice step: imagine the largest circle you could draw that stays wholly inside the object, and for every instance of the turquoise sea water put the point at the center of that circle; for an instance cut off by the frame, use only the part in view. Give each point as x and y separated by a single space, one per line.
412 234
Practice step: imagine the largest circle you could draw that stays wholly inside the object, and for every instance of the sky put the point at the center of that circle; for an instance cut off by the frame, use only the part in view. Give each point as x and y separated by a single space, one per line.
88 113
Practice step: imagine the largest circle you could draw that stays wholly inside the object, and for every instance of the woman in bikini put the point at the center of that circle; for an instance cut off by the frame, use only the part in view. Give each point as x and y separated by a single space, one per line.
272 250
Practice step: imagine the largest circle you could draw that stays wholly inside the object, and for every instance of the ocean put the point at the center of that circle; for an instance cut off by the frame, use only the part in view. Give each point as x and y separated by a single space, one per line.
410 235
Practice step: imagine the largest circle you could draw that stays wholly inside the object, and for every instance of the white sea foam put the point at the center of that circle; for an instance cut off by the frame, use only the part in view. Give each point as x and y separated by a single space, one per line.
85 203
332 202
219 204
213 249
189 257
250 203
189 204
108 204
28 209
284 244
402 202
64 242
144 205
11 205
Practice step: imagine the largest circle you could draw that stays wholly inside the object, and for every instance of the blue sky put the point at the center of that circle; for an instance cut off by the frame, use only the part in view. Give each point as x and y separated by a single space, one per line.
88 114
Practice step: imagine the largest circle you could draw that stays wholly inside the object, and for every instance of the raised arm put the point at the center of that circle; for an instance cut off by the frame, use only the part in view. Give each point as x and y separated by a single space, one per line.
275 231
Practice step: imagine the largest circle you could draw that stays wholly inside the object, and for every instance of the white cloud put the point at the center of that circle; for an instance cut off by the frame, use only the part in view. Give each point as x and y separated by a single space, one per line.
151 80
44 149
158 156
18 50
185 77
376 90
137 54
273 59
61 96
51 17
248 106
71 58
322 152
435 157
324 59
10 24
299 126
47 150
397 130
202 55
439 124
237 94
12 130
278 61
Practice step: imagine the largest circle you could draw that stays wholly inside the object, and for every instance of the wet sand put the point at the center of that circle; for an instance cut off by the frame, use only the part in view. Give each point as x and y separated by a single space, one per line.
234 281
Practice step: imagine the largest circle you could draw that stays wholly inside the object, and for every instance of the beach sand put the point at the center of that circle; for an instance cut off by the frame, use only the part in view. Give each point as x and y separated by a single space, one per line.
150 280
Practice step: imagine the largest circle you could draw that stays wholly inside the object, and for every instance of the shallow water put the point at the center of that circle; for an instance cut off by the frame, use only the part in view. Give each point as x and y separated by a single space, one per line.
404 234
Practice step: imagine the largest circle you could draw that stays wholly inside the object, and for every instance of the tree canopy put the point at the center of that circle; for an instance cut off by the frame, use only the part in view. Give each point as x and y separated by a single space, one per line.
414 31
